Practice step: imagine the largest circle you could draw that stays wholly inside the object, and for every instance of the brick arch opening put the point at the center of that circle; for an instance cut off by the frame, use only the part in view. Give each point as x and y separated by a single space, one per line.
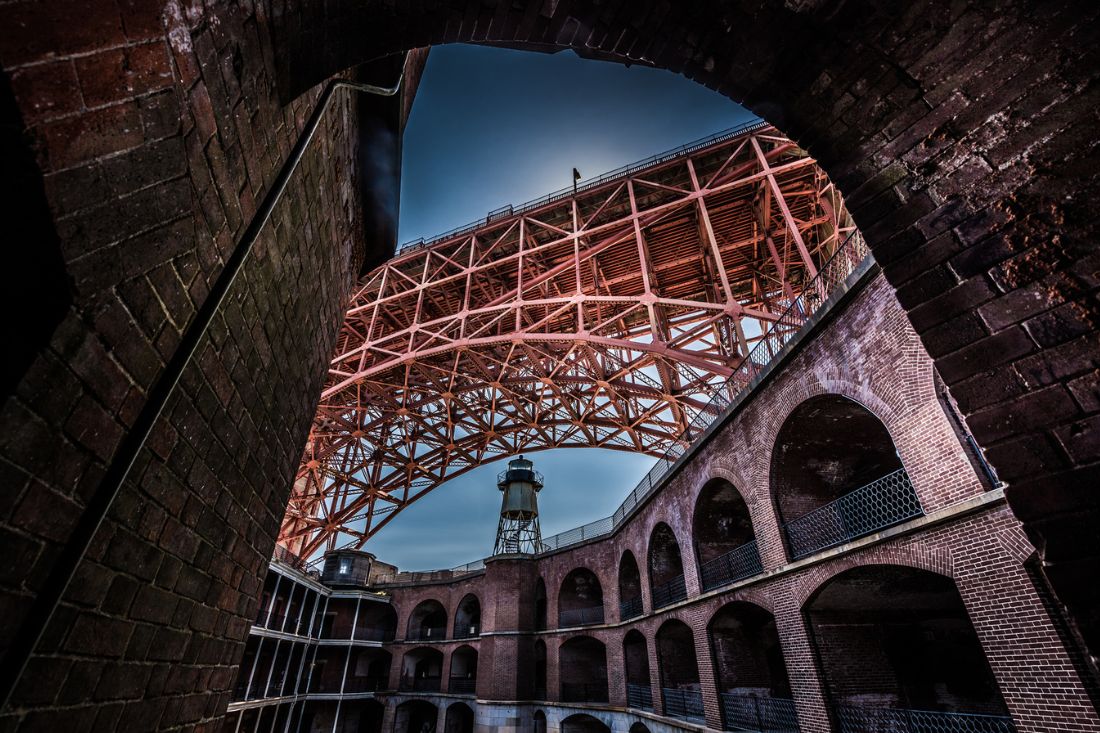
630 587
580 599
415 716
368 670
836 475
422 670
753 685
582 670
538 677
460 718
583 723
468 617
428 620
376 622
666 567
539 610
679 671
723 536
891 639
463 671
636 662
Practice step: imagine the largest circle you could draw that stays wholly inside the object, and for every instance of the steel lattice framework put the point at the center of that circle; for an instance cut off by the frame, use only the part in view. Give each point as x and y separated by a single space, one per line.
607 317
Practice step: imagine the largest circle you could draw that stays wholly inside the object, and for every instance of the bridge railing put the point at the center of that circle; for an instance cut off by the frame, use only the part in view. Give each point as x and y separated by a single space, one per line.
505 212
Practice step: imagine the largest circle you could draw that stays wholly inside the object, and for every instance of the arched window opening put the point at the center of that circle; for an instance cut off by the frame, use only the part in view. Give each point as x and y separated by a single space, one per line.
540 605
376 622
639 693
582 668
630 587
540 670
415 716
639 728
463 671
368 670
753 687
836 476
422 670
539 721
468 617
427 622
725 543
580 601
897 649
582 723
679 670
666 569
356 716
460 719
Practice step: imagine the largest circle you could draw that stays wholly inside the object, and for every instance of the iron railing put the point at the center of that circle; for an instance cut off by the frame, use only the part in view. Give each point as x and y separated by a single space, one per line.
580 616
880 504
685 704
420 684
758 714
463 685
467 631
429 633
669 592
374 633
639 696
584 692
737 564
630 608
365 684
564 193
859 719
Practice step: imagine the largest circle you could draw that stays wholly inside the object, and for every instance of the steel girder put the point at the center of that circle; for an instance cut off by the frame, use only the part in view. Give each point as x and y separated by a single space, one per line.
607 318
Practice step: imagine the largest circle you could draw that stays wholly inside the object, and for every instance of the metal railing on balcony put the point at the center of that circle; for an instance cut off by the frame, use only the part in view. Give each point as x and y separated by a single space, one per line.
467 632
685 704
463 685
758 714
737 564
859 719
365 684
630 608
429 633
669 592
374 633
639 696
880 504
580 616
584 692
420 684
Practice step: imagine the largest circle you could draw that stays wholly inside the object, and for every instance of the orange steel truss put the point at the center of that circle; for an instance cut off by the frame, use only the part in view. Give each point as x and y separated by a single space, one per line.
606 318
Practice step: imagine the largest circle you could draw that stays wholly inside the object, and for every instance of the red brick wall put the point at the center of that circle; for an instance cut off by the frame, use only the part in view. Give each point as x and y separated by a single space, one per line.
984 553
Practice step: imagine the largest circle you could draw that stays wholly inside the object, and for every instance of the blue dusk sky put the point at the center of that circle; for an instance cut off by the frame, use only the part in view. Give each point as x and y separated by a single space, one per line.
491 127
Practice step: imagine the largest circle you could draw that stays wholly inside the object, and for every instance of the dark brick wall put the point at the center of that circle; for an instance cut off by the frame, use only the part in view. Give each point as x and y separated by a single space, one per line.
963 137
157 129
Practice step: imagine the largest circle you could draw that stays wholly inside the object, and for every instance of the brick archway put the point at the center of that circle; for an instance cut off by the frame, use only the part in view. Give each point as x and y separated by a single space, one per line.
979 208
962 137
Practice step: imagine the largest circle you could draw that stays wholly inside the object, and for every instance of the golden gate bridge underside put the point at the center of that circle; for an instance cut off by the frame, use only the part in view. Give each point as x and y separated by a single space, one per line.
606 318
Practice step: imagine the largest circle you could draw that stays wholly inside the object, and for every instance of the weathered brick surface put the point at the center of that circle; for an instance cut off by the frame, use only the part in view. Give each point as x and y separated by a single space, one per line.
963 136
157 130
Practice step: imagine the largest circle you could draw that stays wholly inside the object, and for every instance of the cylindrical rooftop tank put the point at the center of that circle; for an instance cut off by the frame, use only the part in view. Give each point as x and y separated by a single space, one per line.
520 485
